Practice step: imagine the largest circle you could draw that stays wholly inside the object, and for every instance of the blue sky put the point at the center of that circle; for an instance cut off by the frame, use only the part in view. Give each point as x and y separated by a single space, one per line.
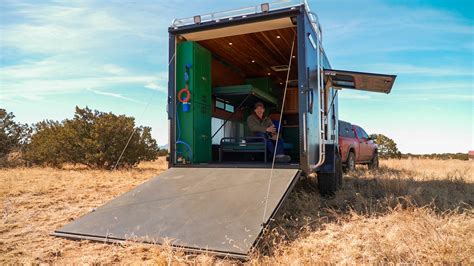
112 56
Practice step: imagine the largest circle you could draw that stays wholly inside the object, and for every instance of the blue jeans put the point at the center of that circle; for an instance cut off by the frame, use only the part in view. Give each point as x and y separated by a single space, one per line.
271 144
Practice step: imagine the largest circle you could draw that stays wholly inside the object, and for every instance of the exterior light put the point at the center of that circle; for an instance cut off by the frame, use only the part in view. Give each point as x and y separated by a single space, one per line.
197 19
265 7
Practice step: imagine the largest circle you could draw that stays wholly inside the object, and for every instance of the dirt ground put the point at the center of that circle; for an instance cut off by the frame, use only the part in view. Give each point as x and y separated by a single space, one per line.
409 211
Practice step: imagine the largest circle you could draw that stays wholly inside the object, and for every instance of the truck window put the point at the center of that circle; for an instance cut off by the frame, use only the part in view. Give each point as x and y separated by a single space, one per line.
351 133
345 130
361 133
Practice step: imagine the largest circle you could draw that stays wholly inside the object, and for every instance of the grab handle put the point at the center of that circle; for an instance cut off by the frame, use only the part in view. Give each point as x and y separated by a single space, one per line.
311 100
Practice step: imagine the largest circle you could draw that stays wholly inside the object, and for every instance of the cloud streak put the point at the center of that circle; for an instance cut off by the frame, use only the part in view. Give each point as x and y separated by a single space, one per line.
115 95
72 46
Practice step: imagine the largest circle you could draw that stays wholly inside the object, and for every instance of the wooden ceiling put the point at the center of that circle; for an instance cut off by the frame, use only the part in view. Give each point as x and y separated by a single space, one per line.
252 55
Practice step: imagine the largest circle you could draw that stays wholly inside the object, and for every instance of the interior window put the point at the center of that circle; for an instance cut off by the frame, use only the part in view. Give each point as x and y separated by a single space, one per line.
216 123
225 106
220 105
229 108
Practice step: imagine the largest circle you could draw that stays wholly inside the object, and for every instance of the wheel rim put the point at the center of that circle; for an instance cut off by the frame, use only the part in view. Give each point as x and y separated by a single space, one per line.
351 162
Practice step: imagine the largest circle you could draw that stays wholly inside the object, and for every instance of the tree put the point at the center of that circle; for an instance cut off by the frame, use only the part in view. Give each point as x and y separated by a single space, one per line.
387 148
92 138
13 135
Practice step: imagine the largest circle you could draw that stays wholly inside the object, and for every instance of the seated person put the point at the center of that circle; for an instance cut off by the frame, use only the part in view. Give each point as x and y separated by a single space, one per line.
262 126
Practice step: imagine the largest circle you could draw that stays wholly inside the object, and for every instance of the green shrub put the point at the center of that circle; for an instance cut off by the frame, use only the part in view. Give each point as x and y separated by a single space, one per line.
13 136
91 138
163 152
387 148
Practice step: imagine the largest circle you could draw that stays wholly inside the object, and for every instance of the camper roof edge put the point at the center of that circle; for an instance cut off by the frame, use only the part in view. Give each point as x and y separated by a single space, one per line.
243 15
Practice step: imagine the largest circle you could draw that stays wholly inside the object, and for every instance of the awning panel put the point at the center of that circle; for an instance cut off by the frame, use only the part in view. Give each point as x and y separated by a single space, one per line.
360 80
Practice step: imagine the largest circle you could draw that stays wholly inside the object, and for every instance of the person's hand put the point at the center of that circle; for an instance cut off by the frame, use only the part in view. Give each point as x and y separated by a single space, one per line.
274 136
271 129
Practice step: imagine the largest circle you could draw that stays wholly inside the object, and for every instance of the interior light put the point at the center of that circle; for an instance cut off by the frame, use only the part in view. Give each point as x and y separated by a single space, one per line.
281 83
197 19
230 43
278 36
269 73
294 56
253 61
265 7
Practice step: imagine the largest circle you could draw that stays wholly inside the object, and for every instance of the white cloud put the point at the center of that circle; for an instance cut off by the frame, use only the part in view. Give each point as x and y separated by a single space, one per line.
154 86
68 41
57 29
113 69
431 85
115 95
409 69
352 95
64 75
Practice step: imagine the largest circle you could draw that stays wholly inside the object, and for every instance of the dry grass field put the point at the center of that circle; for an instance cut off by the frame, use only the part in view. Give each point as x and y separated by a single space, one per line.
408 211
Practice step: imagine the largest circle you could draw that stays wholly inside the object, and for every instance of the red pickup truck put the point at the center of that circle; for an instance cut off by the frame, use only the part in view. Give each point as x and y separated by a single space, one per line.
356 147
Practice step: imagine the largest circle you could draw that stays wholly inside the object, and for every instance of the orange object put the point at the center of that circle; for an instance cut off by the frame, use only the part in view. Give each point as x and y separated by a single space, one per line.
180 93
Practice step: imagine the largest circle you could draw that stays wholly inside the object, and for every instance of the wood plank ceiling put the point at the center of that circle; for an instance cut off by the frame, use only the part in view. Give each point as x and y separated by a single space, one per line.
253 54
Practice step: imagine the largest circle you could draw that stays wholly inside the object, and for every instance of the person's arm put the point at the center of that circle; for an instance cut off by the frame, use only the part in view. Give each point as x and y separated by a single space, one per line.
268 122
254 126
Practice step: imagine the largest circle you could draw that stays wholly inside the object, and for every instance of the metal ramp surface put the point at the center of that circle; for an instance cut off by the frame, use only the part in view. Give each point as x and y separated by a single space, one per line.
219 210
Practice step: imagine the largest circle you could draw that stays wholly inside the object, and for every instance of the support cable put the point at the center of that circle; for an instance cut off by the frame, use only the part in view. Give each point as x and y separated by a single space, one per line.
278 132
141 116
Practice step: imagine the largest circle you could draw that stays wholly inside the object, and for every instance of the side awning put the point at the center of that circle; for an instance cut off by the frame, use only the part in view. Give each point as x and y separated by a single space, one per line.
359 80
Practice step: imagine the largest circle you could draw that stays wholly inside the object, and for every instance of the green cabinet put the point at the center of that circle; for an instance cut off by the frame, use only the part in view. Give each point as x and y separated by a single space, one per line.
194 127
264 84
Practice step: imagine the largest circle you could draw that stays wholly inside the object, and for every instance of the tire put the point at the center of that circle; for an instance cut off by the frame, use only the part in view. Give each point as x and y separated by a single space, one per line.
374 163
327 184
351 163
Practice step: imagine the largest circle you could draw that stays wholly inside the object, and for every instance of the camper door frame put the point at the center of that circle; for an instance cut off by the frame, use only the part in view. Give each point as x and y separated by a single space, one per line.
300 15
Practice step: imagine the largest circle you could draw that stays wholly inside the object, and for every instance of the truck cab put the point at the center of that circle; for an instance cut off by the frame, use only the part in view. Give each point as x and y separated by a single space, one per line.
356 147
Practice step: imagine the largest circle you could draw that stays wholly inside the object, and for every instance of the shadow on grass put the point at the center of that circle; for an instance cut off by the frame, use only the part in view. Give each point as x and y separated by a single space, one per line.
367 193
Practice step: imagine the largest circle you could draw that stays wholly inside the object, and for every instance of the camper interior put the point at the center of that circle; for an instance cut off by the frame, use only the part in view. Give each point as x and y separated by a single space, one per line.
220 75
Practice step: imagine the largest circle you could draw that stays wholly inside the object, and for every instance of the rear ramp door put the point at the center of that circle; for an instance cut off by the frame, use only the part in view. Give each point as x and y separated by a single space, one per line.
360 80
215 209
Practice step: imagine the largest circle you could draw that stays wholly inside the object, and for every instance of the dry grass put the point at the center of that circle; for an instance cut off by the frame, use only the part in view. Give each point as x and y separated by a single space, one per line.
415 211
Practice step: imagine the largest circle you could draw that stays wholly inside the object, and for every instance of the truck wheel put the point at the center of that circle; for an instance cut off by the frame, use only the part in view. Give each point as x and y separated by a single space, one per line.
327 184
351 163
374 163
